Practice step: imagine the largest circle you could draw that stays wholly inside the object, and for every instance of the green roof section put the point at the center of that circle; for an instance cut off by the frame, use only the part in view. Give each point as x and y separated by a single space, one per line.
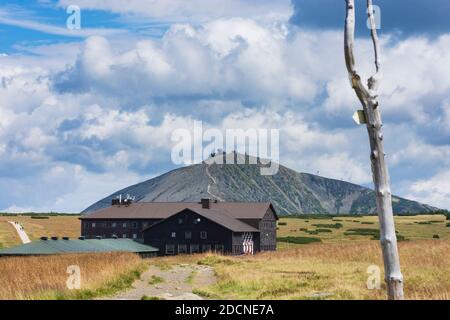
46 247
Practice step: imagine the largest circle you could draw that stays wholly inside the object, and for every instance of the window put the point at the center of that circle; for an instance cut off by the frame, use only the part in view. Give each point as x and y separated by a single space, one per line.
134 236
188 235
144 225
206 248
219 247
114 225
173 235
93 224
195 248
197 220
180 220
86 225
170 249
124 235
203 235
108 224
134 225
124 225
182 248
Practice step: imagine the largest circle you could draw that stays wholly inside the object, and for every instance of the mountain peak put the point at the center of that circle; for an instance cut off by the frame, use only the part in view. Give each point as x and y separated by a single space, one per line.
237 177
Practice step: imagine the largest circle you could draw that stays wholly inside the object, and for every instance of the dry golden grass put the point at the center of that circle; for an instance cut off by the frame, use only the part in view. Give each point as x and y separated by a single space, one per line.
59 226
45 277
327 270
8 236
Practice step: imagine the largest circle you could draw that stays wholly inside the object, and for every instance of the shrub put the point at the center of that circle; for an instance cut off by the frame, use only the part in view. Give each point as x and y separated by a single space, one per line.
144 297
324 230
324 225
435 236
299 240
367 222
155 280
374 233
39 217
282 223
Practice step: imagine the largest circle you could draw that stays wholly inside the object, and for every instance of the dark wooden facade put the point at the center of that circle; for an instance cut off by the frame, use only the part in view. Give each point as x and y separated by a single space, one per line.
198 227
188 232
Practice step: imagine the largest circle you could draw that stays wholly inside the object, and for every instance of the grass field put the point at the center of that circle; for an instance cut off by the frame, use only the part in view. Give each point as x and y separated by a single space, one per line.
335 267
35 228
338 229
324 271
45 277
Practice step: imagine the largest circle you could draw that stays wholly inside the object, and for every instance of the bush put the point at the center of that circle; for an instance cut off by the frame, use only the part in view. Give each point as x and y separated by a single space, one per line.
155 280
324 225
282 223
299 240
374 233
435 236
448 224
367 222
39 217
324 230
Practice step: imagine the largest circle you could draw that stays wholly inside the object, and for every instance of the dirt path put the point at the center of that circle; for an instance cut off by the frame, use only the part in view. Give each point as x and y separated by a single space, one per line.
21 232
173 284
208 190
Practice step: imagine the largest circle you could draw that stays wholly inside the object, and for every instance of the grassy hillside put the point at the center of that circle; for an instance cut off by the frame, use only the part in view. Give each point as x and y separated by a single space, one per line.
361 228
66 225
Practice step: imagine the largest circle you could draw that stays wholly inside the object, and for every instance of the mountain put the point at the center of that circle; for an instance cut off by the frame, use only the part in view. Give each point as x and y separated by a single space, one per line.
289 191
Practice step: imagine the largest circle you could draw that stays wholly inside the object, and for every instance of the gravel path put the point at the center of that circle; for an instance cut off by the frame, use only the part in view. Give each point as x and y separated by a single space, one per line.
22 234
173 284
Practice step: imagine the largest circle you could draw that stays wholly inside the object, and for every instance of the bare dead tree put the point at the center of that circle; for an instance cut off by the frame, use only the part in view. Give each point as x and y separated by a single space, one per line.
368 96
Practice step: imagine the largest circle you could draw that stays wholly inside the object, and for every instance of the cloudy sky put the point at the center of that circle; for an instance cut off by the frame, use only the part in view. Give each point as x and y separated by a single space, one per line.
86 112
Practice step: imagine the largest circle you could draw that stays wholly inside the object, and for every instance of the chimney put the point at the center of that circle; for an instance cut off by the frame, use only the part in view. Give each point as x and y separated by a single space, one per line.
206 203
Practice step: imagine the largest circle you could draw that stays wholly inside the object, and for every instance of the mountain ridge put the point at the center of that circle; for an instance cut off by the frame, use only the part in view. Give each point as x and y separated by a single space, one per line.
290 192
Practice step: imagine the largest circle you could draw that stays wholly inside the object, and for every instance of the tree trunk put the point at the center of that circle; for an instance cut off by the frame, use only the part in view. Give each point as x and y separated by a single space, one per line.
368 99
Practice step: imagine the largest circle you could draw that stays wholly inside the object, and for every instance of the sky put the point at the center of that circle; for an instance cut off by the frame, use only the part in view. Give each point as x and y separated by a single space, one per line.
88 111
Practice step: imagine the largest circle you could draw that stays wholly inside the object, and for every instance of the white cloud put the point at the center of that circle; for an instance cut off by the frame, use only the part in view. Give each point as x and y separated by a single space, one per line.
435 190
196 11
108 119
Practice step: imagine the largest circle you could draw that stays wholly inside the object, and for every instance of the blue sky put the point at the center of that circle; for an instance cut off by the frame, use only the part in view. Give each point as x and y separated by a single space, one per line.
86 112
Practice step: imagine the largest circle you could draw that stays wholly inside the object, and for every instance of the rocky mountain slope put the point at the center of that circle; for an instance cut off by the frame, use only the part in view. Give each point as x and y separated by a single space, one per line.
289 191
